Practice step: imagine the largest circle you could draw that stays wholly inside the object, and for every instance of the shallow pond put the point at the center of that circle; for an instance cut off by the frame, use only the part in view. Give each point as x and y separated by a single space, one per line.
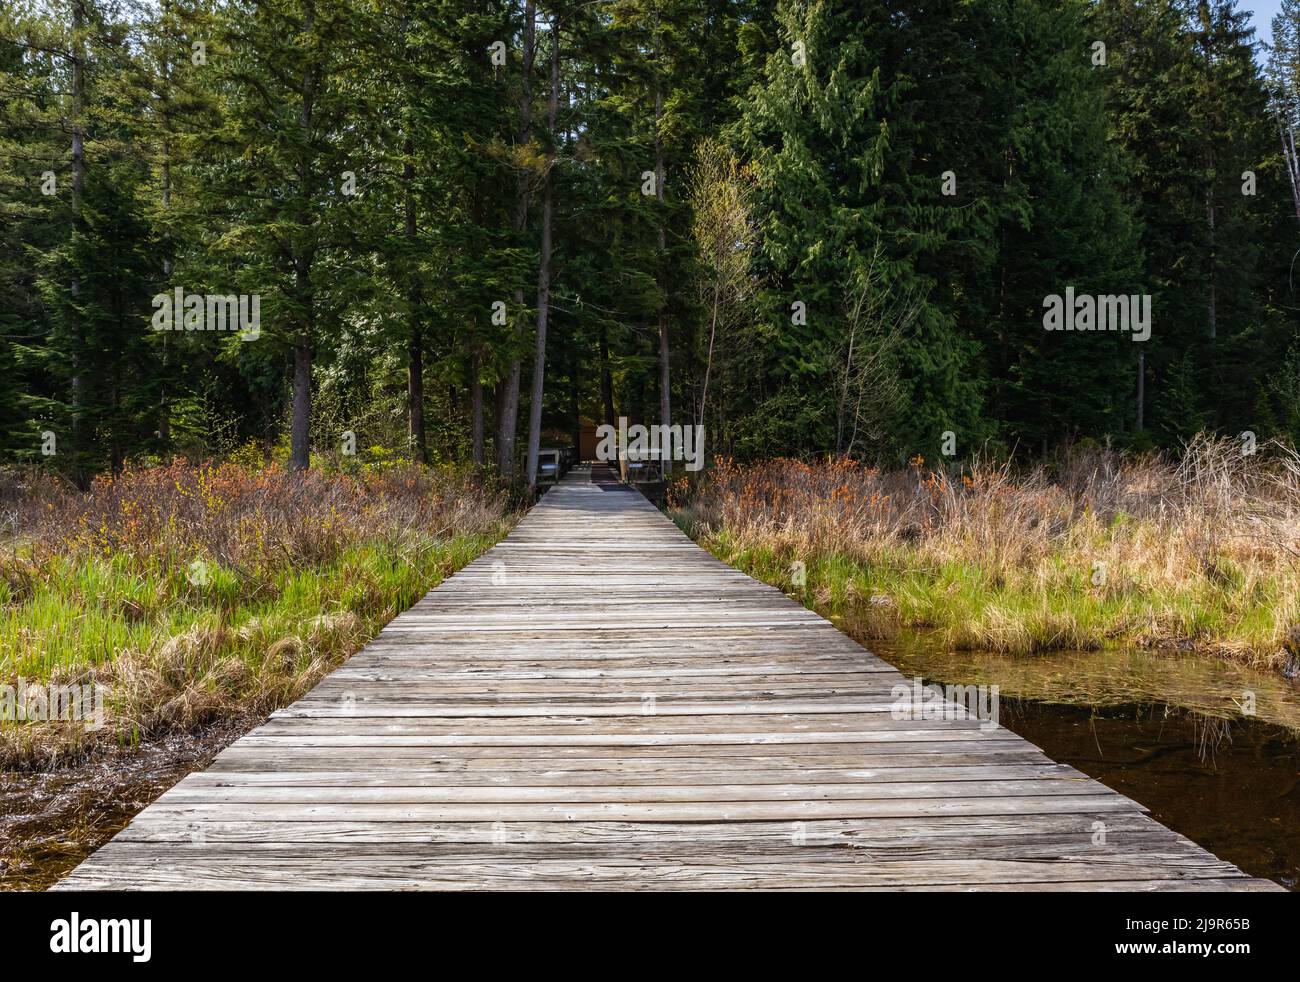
50 821
1171 730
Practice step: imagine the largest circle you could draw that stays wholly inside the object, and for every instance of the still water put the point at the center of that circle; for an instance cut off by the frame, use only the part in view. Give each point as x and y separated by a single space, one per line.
1212 749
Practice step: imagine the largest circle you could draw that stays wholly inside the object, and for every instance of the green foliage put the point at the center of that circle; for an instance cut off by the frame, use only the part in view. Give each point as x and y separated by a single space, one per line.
975 150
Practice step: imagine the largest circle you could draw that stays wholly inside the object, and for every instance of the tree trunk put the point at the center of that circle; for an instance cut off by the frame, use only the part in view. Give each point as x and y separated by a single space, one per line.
507 413
848 377
708 364
508 401
1141 392
164 411
300 428
544 269
1213 284
1292 165
575 398
77 361
606 381
476 408
415 393
665 378
539 359
299 435
415 341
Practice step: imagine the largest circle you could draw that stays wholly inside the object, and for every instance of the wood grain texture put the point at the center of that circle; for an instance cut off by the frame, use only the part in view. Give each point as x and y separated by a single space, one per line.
597 703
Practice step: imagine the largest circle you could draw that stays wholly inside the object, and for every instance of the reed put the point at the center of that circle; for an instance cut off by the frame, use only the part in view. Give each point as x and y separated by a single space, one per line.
192 593
1097 549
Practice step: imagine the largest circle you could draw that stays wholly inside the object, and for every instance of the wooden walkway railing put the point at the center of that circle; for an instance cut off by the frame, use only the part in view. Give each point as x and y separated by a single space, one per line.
598 703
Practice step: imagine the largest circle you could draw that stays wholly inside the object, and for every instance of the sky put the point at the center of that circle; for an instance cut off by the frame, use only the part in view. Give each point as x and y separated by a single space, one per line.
1262 17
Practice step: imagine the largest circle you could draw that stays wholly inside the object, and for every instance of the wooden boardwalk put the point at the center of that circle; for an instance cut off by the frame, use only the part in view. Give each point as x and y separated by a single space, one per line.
597 703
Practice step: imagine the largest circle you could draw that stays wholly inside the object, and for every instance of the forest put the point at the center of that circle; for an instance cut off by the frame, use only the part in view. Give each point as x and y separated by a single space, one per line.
978 322
465 226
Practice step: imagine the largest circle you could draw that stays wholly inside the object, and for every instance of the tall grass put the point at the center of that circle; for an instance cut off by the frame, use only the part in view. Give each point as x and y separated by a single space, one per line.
1198 552
194 592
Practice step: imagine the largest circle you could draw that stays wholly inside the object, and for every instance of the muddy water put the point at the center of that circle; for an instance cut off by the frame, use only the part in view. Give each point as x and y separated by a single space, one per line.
51 821
1167 729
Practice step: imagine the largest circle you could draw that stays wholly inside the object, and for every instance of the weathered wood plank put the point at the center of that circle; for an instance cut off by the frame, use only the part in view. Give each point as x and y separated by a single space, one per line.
940 831
598 704
314 872
504 794
512 773
698 811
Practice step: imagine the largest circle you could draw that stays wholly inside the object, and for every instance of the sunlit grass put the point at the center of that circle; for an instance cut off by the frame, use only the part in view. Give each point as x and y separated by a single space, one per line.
1198 555
195 594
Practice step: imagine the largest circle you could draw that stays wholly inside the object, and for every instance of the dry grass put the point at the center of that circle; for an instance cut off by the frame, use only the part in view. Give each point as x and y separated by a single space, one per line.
196 593
1196 553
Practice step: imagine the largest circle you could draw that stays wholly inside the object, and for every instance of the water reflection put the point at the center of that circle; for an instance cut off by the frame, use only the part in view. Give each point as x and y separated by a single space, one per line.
1210 687
1166 729
51 820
